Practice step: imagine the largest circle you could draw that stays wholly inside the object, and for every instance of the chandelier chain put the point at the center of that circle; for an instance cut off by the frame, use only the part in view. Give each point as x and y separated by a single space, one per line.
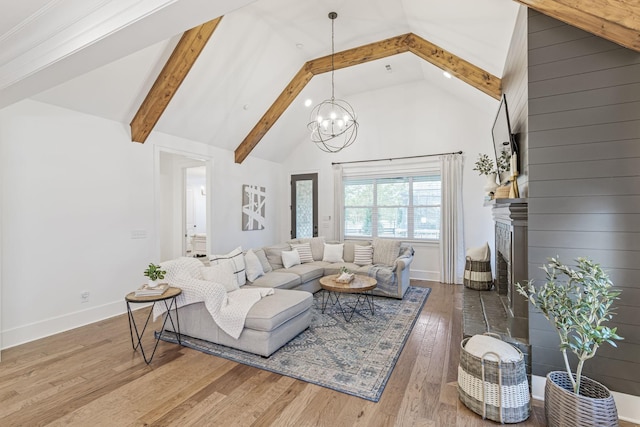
333 52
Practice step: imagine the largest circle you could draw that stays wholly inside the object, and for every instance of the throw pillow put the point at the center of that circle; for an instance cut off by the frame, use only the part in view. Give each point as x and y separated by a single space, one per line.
363 255
385 251
304 250
317 246
333 253
481 253
238 263
266 267
253 267
221 273
274 254
479 345
290 258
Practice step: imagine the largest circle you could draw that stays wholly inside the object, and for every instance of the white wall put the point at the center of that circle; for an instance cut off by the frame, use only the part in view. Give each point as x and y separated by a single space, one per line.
408 120
78 189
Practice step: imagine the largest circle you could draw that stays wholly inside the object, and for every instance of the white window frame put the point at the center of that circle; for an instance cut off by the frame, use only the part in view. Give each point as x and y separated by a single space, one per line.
394 169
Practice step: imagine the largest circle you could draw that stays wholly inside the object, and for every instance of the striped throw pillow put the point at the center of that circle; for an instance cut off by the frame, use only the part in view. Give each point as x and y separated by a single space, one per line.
363 255
304 249
237 258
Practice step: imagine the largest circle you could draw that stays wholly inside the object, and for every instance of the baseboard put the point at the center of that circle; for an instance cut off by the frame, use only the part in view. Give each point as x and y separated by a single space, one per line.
628 406
55 325
433 276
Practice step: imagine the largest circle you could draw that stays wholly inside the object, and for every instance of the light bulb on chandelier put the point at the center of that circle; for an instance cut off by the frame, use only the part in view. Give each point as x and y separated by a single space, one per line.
333 123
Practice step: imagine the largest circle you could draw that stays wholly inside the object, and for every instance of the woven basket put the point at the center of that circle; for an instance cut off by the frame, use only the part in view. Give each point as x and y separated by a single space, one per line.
594 406
498 391
477 275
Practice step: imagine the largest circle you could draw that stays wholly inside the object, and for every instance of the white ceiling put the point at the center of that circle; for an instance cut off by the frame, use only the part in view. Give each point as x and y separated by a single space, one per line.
251 57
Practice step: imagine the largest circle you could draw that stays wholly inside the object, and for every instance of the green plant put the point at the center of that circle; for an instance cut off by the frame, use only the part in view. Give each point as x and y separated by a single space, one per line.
577 303
154 272
484 165
344 269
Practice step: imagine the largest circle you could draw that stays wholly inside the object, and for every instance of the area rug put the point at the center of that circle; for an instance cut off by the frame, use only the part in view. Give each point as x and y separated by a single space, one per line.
355 357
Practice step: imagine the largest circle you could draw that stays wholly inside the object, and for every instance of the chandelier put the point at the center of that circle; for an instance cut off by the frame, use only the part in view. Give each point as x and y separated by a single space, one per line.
333 122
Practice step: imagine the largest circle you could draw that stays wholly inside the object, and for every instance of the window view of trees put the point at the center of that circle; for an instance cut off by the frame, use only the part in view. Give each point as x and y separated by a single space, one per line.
401 207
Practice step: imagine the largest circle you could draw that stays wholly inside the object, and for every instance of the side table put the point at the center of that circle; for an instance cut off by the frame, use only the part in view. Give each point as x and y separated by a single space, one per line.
169 300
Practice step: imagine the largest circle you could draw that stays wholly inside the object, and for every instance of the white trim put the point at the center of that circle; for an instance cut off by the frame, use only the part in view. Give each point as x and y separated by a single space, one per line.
55 325
628 405
433 276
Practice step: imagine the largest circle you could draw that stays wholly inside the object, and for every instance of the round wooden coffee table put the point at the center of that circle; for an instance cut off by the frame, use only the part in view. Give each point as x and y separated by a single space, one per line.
360 286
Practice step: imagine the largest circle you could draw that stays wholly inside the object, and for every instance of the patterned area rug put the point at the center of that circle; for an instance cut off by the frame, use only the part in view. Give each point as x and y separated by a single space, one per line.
355 357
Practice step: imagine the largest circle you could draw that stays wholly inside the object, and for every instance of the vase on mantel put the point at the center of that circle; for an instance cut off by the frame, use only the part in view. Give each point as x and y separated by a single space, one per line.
491 185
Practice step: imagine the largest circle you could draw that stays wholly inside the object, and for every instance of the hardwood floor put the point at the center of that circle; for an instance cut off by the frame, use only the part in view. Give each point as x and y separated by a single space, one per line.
91 377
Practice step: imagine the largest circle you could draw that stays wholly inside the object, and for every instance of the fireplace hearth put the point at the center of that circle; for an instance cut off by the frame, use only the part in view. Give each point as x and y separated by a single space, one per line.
502 310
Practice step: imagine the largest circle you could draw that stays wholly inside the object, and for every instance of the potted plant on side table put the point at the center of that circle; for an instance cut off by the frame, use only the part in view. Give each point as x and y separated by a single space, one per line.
577 303
154 273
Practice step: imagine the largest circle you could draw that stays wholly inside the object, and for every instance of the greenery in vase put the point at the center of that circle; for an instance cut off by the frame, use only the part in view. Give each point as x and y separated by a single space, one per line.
344 269
577 303
154 272
484 165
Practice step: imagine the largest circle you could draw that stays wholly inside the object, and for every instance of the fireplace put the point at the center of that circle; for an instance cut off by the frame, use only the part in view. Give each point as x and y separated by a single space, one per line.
511 263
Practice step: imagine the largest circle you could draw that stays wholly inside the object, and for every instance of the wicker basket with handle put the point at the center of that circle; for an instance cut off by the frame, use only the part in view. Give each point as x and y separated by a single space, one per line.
498 390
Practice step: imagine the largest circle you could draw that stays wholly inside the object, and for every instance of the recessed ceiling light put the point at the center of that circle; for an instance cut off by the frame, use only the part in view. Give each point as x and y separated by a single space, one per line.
245 106
447 74
308 102
299 45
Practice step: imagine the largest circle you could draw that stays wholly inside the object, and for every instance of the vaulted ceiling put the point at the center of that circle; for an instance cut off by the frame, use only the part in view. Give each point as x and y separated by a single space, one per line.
102 57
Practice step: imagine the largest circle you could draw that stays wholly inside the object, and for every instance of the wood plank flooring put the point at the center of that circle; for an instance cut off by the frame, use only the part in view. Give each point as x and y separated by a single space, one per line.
91 377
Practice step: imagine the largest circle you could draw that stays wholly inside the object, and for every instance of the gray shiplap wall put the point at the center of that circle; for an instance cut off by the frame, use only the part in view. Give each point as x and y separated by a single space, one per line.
515 88
584 180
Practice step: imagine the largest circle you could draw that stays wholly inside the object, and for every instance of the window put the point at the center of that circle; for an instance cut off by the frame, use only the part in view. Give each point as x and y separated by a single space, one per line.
405 207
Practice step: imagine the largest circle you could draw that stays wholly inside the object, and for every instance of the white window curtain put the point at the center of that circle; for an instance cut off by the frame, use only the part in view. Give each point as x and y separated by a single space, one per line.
338 203
451 220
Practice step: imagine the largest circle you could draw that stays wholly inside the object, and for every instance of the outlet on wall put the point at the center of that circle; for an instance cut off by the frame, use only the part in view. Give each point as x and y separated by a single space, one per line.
84 296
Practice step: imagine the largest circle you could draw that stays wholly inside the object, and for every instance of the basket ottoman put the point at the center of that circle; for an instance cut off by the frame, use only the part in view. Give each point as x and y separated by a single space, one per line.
497 390
477 275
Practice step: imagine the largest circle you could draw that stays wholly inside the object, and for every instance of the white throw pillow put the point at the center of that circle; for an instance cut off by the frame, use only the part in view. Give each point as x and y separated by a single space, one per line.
290 258
253 266
333 252
304 250
238 263
363 255
479 345
481 253
221 273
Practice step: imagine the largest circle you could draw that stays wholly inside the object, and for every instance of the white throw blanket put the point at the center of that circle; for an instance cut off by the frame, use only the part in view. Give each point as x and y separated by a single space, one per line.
229 310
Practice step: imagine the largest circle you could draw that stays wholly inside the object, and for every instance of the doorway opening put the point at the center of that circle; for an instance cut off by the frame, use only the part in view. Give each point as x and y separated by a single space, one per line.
184 206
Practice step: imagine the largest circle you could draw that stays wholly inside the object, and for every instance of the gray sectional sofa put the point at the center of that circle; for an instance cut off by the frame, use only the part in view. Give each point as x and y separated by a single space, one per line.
391 270
276 319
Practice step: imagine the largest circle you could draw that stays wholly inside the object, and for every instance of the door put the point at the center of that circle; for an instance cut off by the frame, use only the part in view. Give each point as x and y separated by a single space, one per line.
304 205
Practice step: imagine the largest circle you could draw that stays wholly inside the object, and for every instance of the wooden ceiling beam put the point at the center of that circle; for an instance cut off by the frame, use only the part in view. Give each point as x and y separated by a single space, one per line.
409 42
360 55
614 20
170 78
274 112
456 66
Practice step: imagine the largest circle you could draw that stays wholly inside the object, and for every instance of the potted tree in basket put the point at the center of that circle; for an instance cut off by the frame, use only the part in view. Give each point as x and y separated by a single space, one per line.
154 273
485 166
577 303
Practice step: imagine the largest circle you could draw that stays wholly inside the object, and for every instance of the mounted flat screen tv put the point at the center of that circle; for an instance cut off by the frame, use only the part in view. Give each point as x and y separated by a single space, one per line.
503 139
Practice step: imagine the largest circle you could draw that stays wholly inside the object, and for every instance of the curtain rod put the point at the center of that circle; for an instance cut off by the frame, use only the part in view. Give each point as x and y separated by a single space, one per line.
395 158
